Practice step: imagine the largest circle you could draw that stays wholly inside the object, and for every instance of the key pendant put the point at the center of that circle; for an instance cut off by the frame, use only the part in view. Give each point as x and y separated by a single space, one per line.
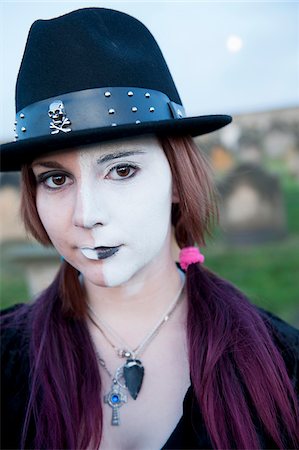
115 398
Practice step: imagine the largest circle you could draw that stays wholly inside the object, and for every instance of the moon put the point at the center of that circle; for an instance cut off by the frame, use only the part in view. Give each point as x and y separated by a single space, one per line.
234 43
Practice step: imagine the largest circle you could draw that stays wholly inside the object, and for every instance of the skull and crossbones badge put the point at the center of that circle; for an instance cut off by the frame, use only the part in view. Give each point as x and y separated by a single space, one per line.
59 121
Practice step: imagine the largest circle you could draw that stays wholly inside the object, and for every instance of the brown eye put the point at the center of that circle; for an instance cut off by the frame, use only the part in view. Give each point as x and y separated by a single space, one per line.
54 180
123 171
58 180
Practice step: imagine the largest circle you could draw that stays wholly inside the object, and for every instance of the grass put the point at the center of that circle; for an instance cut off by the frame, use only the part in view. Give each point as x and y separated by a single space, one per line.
13 286
13 290
268 274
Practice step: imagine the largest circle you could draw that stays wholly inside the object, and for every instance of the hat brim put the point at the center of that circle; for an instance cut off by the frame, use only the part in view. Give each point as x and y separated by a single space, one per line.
15 154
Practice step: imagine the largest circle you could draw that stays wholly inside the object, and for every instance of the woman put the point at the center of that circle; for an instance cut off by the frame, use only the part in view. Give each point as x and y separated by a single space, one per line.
126 349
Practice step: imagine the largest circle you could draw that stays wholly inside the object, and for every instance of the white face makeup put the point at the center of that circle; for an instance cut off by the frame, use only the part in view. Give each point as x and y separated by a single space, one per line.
107 209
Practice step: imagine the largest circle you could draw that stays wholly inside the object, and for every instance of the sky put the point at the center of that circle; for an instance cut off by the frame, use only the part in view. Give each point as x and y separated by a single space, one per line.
226 57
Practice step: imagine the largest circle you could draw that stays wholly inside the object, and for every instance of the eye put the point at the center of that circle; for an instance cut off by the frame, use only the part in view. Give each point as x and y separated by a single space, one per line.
57 180
53 180
122 171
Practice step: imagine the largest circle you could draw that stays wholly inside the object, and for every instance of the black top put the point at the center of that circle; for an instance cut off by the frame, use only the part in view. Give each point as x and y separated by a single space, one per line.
190 432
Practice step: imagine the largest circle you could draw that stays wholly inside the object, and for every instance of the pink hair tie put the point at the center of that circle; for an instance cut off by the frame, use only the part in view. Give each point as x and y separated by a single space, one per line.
190 255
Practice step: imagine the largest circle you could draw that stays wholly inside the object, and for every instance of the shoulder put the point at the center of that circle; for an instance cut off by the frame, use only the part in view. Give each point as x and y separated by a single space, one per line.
14 319
286 333
286 339
15 369
14 334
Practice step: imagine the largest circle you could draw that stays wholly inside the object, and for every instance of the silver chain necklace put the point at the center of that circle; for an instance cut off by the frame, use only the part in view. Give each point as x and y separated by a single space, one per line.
129 376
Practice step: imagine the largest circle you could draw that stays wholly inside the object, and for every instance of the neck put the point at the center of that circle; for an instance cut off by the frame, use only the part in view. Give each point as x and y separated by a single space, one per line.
140 300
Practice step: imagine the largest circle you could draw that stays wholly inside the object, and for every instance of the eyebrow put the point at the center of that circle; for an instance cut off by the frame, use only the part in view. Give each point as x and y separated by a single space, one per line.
116 155
48 164
101 160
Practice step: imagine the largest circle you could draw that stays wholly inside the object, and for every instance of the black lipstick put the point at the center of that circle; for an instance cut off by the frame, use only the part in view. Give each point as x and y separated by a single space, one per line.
106 252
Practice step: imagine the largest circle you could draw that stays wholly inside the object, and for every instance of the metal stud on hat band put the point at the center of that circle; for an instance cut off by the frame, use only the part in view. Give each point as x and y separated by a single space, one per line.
92 108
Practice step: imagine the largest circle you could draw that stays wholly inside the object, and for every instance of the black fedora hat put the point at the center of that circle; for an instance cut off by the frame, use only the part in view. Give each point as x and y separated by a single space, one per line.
93 75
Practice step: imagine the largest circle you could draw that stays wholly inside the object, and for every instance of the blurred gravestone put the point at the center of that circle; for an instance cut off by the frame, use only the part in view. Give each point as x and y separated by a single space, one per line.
251 207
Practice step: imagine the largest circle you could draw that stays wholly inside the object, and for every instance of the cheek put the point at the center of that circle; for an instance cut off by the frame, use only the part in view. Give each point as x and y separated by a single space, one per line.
144 224
43 210
52 217
146 212
154 212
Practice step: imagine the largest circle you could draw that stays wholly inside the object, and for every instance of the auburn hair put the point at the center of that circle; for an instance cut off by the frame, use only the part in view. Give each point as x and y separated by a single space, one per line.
238 375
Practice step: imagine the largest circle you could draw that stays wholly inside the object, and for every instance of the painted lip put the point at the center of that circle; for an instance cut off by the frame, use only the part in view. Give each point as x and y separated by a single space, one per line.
97 253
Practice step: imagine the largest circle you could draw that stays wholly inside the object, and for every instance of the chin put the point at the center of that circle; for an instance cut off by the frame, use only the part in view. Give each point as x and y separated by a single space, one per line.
114 272
97 278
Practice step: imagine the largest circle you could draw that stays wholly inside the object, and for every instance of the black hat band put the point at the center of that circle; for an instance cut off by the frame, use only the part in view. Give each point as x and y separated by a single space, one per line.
93 108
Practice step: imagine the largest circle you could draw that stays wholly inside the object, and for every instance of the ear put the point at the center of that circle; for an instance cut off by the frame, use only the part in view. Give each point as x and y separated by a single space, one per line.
175 195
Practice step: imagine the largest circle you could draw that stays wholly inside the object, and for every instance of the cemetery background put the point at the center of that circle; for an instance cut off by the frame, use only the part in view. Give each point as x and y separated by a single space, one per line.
256 164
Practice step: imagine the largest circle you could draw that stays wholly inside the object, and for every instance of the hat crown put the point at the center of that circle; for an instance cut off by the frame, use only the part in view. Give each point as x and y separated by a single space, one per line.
90 48
89 76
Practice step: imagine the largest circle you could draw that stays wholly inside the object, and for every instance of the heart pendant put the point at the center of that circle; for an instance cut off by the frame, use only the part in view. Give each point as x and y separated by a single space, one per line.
133 372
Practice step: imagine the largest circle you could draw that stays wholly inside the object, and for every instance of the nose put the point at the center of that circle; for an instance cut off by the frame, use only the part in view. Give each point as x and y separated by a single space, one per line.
90 209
